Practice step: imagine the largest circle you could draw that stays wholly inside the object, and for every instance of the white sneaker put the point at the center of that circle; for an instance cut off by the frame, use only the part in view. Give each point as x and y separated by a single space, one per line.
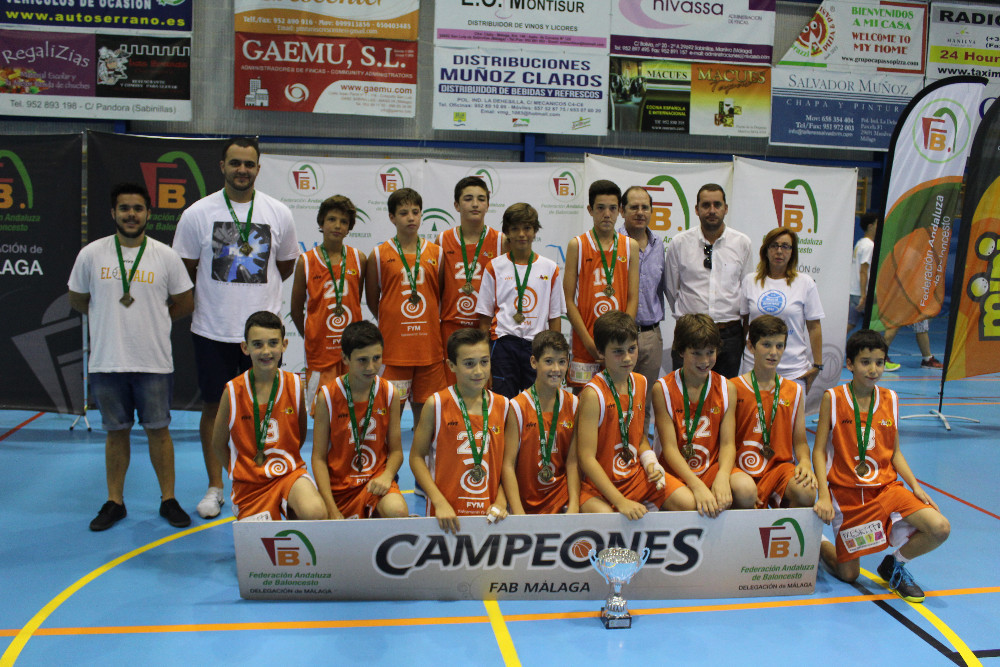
210 506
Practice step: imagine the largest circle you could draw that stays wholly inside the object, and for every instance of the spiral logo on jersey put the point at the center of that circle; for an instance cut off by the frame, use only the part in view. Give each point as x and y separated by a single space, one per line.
280 464
466 303
605 305
296 92
871 463
472 487
699 460
751 461
336 322
619 467
412 310
528 300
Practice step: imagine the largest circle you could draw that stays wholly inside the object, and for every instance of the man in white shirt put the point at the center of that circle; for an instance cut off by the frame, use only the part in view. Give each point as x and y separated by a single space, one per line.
704 267
131 287
238 245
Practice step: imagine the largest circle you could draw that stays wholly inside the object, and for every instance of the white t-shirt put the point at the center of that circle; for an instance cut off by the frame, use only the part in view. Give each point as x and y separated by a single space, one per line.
863 250
232 286
135 339
795 304
543 297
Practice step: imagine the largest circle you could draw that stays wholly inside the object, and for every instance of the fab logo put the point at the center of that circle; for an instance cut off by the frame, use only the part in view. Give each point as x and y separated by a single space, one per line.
289 548
563 184
671 212
12 170
777 539
305 178
943 131
169 185
795 207
392 177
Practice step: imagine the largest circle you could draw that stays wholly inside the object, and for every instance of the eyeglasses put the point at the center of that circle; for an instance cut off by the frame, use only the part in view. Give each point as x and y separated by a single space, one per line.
708 256
780 246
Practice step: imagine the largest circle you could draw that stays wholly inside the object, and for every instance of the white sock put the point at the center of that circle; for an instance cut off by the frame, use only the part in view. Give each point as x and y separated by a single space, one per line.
900 558
928 358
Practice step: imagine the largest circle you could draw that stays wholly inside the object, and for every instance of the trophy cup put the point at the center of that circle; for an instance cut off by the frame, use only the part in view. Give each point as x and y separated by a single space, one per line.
617 566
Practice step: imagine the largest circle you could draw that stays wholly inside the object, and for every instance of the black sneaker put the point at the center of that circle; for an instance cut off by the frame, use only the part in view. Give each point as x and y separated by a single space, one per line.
111 512
899 580
171 510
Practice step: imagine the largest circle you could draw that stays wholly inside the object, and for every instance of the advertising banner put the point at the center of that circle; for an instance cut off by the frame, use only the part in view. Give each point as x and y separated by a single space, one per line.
730 101
41 335
973 346
882 35
520 91
749 553
927 161
161 16
724 31
838 109
650 95
177 173
570 25
963 39
370 77
385 19
817 203
95 75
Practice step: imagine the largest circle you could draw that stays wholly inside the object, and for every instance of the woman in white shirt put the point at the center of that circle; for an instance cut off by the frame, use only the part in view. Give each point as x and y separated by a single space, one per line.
777 288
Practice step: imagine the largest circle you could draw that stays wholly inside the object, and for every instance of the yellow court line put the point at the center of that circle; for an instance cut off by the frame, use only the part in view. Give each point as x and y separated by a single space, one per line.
949 634
16 646
504 641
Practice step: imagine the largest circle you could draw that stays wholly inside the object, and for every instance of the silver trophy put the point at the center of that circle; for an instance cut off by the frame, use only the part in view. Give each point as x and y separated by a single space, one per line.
617 566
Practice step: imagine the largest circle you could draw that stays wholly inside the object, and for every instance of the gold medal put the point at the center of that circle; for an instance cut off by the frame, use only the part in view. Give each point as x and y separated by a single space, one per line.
245 248
338 311
478 474
414 299
359 463
767 452
546 474
862 469
688 451
467 287
126 300
626 454
518 318
609 291
259 459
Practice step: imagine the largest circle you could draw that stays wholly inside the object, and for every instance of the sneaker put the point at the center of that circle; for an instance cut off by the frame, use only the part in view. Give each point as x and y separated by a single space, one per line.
931 363
111 512
891 366
210 506
899 580
171 510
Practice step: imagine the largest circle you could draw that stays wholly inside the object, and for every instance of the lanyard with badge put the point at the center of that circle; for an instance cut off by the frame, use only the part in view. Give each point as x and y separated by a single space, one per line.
521 286
127 299
623 424
478 473
862 468
411 275
260 427
470 271
358 433
242 228
690 425
546 443
765 427
609 273
338 287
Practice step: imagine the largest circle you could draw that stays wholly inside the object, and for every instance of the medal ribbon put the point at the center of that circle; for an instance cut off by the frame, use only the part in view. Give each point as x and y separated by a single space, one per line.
259 430
765 427
690 425
521 286
127 282
356 433
862 443
609 274
243 230
338 288
546 442
621 416
410 275
470 271
477 457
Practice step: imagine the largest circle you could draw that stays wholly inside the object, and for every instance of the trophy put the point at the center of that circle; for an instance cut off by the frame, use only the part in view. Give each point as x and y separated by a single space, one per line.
617 566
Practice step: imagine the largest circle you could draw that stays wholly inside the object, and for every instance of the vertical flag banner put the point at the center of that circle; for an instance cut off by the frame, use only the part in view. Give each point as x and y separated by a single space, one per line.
41 335
927 159
973 346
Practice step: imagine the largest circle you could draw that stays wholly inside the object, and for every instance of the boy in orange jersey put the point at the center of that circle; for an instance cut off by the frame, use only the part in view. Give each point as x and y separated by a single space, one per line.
326 293
402 286
260 428
602 274
621 470
457 451
693 411
356 442
540 474
858 470
467 250
771 423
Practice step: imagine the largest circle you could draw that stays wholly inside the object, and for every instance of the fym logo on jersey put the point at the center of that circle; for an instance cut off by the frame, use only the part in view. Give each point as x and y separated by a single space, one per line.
168 188
777 539
289 548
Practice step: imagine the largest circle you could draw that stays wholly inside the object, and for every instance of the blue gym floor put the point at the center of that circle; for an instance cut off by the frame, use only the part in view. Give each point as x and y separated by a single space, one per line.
145 593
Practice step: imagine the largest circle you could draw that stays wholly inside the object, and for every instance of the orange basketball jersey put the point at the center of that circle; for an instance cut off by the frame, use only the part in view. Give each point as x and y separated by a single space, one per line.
706 434
749 440
412 332
842 450
537 495
591 282
344 474
450 457
323 326
457 307
625 476
281 446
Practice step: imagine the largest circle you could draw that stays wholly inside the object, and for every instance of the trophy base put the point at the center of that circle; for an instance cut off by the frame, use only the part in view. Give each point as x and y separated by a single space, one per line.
615 622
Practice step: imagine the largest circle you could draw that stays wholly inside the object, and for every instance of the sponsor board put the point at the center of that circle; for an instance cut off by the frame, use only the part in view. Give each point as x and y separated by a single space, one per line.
382 19
559 25
963 39
739 554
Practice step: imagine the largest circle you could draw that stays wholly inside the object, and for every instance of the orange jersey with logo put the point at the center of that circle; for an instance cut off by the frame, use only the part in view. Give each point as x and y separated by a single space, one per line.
457 307
340 459
450 456
537 495
706 434
412 332
281 446
625 476
842 449
323 327
749 439
591 282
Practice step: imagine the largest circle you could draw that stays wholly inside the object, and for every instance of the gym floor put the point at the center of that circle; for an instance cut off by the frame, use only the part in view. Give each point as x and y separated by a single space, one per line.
145 593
